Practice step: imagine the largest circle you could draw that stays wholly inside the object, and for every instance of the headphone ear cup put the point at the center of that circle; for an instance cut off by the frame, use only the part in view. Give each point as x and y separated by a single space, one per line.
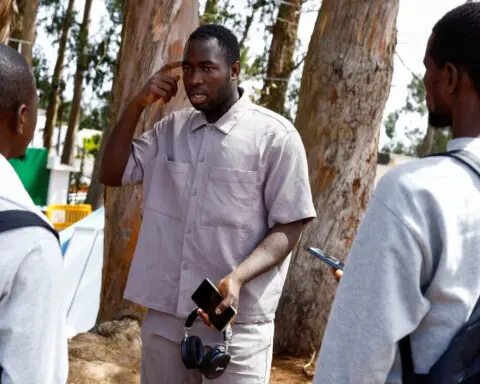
192 352
215 363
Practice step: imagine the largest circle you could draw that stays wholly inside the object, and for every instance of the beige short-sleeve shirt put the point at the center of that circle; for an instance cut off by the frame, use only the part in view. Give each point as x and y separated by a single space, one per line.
211 194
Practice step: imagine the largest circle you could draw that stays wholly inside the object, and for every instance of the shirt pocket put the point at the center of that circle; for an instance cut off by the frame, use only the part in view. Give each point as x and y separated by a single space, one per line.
232 198
167 189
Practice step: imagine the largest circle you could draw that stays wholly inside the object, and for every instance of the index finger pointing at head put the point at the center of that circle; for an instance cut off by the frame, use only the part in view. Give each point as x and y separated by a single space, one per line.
170 66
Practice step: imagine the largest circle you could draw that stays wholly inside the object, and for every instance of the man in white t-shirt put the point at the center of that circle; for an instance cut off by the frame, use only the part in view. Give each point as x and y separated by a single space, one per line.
33 341
415 264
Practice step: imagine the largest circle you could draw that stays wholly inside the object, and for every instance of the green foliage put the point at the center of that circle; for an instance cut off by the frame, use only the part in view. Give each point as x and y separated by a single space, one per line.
97 118
102 64
115 9
391 123
40 71
92 145
51 16
240 23
414 104
416 97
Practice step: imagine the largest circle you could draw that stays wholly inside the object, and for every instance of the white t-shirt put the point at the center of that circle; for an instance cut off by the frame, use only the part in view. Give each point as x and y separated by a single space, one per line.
33 338
414 268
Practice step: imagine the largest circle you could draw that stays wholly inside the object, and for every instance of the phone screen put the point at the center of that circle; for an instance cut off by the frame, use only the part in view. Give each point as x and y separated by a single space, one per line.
207 298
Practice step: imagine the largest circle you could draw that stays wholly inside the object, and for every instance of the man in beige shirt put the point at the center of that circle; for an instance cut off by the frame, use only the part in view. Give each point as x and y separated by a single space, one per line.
226 195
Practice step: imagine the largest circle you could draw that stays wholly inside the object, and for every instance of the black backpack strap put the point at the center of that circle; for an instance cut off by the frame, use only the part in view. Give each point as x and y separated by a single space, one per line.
15 219
408 372
467 158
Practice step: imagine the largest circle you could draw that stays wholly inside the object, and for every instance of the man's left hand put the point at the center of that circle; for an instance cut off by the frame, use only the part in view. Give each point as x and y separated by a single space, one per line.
229 287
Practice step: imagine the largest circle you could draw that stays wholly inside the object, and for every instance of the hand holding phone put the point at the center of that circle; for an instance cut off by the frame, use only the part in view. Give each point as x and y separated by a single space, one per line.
208 298
331 261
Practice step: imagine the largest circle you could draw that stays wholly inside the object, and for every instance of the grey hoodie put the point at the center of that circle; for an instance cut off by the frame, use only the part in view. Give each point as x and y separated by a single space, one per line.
413 269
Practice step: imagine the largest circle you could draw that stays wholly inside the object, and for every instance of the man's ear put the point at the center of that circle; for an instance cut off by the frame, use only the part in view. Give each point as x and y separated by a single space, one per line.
236 69
452 78
20 119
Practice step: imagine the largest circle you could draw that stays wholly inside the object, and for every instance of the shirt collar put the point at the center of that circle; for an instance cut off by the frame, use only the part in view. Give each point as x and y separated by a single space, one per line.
229 119
471 144
12 188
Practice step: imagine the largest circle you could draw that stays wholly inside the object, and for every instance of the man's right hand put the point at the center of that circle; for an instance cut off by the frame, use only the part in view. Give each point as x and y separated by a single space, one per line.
160 86
338 273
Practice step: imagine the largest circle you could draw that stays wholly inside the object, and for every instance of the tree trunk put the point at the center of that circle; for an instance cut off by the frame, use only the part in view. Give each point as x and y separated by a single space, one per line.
280 62
29 28
16 25
427 143
60 122
345 85
95 194
82 66
6 15
154 34
52 109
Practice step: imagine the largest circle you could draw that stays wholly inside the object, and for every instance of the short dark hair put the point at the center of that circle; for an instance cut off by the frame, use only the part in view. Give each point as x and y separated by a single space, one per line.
17 82
224 36
456 39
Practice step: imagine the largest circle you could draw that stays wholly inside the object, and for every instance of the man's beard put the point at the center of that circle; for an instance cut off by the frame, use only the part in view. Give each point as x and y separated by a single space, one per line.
221 97
439 120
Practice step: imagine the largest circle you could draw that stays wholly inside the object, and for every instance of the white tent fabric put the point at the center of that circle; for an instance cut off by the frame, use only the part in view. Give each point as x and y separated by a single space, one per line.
82 248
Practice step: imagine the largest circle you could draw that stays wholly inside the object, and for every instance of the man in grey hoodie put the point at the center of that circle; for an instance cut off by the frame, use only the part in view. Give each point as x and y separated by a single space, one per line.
414 266
33 339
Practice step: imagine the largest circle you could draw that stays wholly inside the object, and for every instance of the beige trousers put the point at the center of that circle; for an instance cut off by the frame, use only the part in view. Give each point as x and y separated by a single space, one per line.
251 352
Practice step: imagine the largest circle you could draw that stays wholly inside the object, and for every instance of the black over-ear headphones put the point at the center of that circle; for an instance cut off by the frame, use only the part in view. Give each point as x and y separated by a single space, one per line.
214 362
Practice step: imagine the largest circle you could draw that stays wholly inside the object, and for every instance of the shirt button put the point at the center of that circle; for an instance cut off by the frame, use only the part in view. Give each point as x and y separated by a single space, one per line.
189 231
185 266
194 193
202 159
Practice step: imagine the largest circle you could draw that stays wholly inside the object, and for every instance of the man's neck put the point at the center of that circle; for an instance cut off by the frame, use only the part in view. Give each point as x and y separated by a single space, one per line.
214 116
4 148
466 119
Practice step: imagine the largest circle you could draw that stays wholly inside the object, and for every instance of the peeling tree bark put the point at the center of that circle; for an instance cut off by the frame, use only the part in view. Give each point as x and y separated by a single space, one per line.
6 15
345 85
24 26
280 62
154 33
29 28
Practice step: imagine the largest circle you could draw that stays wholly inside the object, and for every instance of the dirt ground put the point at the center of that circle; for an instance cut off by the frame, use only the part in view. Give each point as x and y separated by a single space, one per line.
288 370
111 355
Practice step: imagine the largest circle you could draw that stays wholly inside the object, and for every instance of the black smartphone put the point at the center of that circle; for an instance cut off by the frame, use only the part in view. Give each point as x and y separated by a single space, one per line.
331 261
208 298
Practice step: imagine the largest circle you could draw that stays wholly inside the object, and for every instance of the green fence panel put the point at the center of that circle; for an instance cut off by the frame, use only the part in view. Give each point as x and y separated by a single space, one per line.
34 174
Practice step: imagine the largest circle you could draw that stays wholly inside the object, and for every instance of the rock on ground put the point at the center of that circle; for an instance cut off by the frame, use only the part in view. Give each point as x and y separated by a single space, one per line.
108 354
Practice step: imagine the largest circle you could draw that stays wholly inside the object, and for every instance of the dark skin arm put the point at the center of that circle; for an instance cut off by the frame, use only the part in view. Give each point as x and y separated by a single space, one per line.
119 145
271 252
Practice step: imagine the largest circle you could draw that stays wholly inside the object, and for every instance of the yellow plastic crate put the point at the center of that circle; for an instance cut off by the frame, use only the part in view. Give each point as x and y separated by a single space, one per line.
62 216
